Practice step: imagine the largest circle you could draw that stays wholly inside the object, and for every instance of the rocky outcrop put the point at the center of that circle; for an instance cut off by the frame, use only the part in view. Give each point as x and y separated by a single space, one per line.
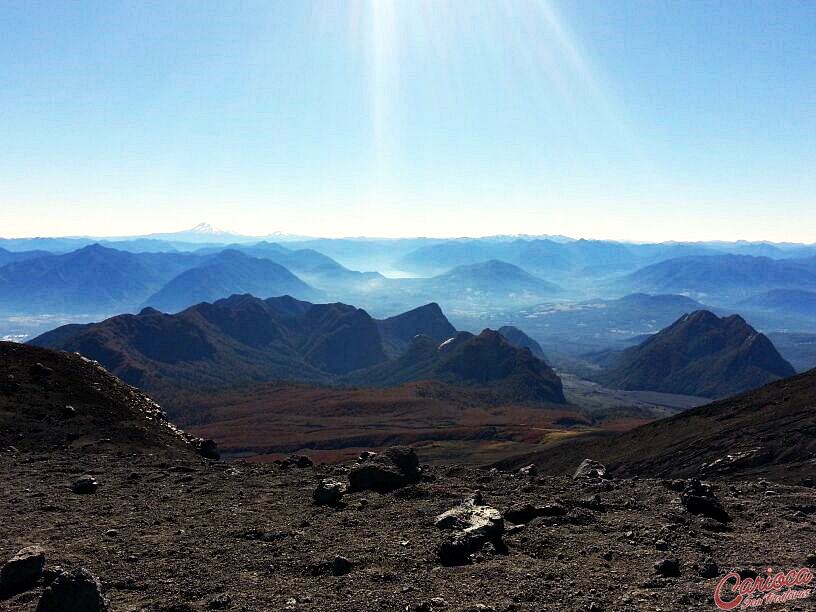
471 524
397 467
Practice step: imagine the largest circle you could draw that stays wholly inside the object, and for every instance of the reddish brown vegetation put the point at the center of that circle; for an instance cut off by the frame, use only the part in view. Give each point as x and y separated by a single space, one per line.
270 420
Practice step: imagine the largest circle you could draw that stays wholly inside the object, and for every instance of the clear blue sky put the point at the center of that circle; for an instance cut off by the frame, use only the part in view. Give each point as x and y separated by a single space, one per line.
628 120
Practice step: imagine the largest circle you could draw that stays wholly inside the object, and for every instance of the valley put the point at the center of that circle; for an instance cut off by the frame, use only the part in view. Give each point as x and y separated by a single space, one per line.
354 359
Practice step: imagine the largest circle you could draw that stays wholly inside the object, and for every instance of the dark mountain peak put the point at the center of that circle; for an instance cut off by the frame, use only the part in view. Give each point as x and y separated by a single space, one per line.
484 361
699 354
231 254
704 318
226 273
96 248
489 359
238 301
518 338
427 320
148 311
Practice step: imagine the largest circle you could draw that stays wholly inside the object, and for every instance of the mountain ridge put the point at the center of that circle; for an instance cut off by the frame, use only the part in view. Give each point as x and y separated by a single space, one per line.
699 354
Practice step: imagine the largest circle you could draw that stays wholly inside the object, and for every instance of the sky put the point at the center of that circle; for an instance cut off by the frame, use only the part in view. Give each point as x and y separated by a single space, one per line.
622 120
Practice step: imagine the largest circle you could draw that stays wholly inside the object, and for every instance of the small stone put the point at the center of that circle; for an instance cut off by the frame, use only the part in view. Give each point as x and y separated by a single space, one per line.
668 568
68 412
340 566
220 602
528 470
85 485
698 498
709 569
590 469
811 560
23 570
111 533
662 545
328 492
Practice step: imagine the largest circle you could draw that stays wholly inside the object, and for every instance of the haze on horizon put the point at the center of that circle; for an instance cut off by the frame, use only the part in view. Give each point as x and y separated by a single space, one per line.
644 121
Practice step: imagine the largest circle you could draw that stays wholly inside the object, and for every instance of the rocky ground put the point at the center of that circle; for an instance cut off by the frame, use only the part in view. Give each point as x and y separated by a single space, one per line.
190 534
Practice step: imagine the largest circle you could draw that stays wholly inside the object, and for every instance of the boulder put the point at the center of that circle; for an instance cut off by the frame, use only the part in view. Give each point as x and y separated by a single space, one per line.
524 513
328 492
208 449
85 485
76 591
668 568
590 469
397 467
698 498
528 470
340 566
472 524
23 570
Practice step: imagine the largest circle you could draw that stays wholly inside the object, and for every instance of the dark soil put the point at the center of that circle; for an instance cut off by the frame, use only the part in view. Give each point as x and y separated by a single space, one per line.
186 533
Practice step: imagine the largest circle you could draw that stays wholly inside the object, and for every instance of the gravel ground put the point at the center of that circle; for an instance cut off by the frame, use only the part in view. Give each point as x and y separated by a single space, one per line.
184 534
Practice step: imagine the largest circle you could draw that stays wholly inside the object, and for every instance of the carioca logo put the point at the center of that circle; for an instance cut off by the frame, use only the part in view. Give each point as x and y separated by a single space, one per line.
762 589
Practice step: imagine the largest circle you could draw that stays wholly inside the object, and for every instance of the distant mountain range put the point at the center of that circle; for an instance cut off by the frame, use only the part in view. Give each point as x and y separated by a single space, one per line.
91 279
784 301
700 354
226 273
493 276
723 276
244 339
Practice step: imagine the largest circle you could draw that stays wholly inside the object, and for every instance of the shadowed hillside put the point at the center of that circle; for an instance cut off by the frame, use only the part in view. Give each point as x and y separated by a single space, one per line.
700 354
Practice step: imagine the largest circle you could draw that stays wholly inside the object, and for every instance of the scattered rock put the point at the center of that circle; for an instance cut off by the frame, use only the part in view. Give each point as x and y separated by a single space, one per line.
295 461
709 569
698 498
340 566
473 525
23 570
328 492
85 485
397 467
590 469
76 591
668 568
208 449
662 545
220 602
523 513
68 412
528 470
811 560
